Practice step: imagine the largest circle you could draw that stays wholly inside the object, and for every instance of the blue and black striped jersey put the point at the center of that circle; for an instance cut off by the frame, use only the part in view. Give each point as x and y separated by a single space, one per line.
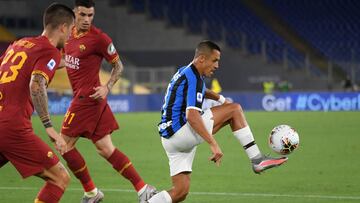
186 90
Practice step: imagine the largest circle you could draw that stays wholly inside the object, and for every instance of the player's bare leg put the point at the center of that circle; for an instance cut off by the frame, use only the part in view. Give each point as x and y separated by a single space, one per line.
123 165
228 114
77 165
179 191
105 147
57 179
181 187
233 114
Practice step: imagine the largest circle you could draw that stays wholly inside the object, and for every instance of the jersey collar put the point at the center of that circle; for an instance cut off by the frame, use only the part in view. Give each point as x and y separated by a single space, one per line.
76 35
193 68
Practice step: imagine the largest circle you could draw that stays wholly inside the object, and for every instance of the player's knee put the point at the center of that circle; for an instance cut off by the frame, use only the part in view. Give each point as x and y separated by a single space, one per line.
63 179
236 108
105 151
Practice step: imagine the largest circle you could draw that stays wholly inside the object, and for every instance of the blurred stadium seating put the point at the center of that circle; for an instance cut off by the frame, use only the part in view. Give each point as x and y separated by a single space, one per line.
331 26
218 18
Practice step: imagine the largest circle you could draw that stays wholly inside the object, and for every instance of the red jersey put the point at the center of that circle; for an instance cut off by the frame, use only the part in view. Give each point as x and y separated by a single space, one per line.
23 58
83 56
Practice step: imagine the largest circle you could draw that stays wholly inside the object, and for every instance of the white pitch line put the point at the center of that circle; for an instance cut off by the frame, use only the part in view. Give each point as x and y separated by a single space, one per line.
216 193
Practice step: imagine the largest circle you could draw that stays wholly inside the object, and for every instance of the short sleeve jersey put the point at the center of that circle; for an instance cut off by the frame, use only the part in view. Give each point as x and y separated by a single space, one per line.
83 56
22 59
185 91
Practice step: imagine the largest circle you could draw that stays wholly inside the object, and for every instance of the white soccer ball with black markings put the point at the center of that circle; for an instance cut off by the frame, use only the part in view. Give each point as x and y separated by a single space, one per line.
284 139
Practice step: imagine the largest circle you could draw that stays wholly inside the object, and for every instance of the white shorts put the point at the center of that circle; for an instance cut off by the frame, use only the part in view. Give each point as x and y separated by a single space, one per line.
181 147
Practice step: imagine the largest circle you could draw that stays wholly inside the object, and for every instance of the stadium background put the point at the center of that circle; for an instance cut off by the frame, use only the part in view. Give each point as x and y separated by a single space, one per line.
278 55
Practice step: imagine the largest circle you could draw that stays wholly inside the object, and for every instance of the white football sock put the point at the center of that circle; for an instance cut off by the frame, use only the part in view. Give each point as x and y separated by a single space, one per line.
246 138
91 193
161 197
142 190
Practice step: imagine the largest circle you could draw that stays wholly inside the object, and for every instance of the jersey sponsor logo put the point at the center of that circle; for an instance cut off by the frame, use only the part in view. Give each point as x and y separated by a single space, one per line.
111 49
72 62
163 126
82 47
51 64
199 97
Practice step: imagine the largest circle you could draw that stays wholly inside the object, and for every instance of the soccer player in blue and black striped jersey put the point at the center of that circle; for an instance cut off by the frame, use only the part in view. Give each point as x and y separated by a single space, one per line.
184 125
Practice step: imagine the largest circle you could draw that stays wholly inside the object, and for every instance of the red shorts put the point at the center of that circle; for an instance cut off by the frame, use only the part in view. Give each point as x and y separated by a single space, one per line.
91 121
26 151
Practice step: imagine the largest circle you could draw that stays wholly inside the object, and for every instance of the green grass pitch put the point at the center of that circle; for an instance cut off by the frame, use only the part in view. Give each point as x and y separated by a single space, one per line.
325 168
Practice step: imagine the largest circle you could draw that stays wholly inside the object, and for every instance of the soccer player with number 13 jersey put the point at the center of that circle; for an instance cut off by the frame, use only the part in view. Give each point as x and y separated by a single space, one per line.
27 67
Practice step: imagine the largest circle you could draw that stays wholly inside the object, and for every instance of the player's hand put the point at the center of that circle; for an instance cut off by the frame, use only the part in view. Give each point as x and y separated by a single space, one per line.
216 153
58 140
100 92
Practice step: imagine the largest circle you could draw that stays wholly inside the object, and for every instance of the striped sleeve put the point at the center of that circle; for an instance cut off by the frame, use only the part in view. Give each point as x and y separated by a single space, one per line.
194 94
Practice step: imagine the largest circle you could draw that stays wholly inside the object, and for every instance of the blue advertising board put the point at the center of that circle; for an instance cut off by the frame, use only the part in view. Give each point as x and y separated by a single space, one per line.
118 103
293 101
299 101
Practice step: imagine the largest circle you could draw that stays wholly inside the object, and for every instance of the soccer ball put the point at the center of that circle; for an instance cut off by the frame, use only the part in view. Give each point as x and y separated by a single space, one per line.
283 139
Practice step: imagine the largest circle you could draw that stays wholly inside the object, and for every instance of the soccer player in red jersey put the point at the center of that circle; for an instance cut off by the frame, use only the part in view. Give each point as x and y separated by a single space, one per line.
27 67
89 114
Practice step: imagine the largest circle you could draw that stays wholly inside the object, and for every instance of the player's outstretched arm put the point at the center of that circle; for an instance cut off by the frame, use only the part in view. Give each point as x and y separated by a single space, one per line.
102 91
194 118
38 84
